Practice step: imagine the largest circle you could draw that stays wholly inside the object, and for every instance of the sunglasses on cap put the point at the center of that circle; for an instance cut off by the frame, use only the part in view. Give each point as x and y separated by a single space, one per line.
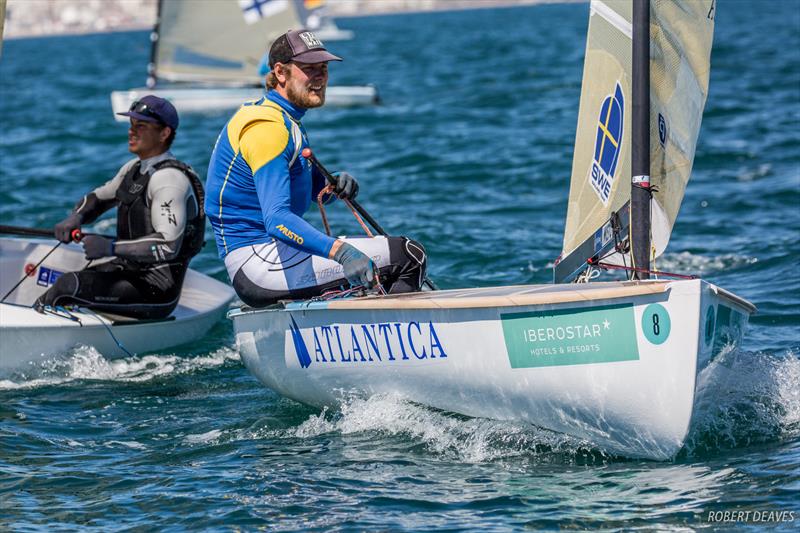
143 109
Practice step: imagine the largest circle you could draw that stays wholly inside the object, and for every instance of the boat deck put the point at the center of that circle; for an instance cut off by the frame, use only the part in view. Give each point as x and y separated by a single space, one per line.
513 295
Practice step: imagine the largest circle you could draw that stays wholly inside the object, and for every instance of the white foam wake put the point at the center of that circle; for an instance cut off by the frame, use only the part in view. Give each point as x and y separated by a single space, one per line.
701 265
746 398
471 440
85 362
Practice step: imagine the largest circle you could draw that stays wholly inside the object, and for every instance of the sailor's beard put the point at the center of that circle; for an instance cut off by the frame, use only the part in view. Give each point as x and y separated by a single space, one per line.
302 97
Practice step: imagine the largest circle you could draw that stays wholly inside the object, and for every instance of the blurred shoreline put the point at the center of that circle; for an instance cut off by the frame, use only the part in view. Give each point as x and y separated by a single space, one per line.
41 18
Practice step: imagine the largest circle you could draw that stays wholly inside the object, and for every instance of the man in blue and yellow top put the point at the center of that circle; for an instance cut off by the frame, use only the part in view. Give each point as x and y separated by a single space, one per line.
259 186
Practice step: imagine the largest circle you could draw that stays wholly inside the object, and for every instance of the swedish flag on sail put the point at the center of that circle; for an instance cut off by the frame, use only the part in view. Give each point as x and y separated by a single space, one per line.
608 144
255 10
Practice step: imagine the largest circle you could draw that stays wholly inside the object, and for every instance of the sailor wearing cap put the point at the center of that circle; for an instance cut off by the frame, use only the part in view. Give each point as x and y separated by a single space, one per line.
260 185
160 224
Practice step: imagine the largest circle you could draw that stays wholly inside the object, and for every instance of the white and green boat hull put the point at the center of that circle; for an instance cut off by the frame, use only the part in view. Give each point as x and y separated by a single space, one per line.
613 363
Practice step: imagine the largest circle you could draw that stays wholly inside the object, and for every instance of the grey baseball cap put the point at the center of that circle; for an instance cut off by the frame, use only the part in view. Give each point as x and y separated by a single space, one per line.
299 45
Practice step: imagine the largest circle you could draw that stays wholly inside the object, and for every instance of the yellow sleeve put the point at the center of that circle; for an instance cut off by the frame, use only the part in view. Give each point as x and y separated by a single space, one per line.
263 141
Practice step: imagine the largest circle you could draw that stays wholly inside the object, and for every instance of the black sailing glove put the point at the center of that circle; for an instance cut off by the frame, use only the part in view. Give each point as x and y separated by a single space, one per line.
346 186
63 230
97 246
358 268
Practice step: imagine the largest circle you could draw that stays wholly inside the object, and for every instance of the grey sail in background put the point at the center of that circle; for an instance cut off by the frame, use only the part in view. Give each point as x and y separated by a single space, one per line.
220 41
2 21
680 47
206 56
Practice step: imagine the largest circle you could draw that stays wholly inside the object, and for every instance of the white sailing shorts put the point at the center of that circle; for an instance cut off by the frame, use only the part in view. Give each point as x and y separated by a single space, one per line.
265 273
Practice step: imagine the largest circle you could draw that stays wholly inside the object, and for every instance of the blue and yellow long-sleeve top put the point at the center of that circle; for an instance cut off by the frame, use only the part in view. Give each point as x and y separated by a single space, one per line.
252 193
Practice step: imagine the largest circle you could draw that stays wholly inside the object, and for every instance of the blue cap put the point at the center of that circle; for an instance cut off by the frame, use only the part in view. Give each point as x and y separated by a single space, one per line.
153 109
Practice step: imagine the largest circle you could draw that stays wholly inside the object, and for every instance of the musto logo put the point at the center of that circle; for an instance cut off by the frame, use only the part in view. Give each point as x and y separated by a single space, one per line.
388 343
289 233
576 336
607 145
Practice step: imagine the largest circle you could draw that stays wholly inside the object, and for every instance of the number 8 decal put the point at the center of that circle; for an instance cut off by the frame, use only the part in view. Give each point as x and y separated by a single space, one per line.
655 323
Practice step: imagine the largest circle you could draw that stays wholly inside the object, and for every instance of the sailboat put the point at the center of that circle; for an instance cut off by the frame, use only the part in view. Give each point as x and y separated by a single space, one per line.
615 363
29 265
205 55
315 15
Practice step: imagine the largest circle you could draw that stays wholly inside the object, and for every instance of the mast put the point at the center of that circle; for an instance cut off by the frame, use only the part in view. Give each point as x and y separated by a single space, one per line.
640 134
151 66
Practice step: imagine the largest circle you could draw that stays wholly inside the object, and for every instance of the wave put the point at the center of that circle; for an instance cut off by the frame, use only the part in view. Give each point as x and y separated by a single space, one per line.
86 363
387 422
701 264
744 399
450 436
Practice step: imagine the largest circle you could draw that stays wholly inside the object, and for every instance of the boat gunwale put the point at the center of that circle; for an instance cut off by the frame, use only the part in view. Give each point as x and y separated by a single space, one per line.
431 300
748 306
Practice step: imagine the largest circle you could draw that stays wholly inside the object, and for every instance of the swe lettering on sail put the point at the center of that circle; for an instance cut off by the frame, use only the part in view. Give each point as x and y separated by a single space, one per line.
608 144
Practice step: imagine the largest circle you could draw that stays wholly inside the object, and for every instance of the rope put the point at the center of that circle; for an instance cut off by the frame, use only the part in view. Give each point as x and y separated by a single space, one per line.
30 274
609 266
109 331
65 312
62 312
330 190
344 293
358 217
329 295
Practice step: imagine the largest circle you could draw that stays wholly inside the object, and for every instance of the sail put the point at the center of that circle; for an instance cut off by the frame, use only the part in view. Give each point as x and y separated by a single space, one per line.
681 34
680 47
601 163
2 21
315 17
220 41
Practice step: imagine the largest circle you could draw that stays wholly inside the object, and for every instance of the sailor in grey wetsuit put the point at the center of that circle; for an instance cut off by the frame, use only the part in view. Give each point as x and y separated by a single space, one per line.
160 226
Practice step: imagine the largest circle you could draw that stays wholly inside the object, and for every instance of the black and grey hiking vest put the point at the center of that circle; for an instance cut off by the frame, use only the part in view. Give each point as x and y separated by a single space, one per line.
133 213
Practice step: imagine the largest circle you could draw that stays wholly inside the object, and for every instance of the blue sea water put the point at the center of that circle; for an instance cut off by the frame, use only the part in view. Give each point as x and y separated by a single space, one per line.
471 154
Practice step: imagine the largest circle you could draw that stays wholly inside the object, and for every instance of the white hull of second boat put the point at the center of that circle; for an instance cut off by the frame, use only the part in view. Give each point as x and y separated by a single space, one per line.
210 99
613 363
325 29
28 337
